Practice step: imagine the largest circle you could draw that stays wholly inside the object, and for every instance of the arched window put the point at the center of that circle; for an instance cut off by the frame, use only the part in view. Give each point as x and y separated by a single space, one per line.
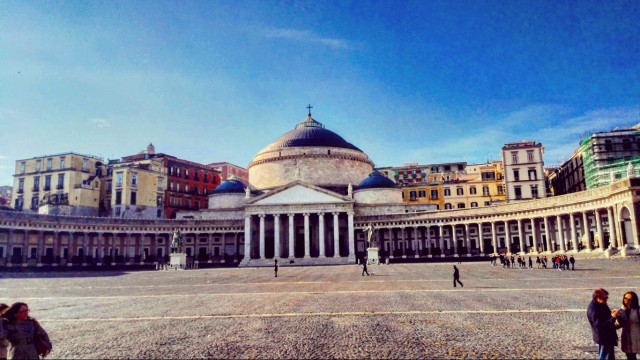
474 204
460 191
447 206
472 190
447 192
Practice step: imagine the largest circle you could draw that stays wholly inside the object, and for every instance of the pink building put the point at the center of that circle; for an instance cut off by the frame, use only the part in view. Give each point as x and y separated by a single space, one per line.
227 169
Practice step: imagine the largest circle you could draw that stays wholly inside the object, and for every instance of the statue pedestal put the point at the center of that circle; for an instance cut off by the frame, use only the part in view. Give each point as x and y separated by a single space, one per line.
178 261
372 255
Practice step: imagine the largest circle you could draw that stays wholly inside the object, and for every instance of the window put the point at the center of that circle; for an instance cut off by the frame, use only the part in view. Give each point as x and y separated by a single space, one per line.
447 206
447 168
119 177
62 162
159 200
134 198
178 187
460 167
47 182
434 194
518 192
412 196
186 173
460 205
34 203
459 191
472 190
85 165
22 167
178 171
530 156
49 164
488 176
36 183
474 204
108 186
20 185
134 179
60 181
118 197
421 193
19 203
38 165
534 191
500 190
516 174
117 210
485 191
532 174
514 157
186 188
447 192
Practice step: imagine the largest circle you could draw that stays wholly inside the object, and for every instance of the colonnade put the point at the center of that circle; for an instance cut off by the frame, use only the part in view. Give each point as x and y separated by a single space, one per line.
325 237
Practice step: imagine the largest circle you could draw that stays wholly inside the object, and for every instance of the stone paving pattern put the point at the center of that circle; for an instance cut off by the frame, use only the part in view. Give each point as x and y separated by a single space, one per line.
403 311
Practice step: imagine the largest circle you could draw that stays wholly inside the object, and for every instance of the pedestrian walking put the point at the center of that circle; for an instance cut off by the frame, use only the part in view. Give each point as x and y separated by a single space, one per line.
23 333
275 267
602 321
573 263
364 268
456 276
629 321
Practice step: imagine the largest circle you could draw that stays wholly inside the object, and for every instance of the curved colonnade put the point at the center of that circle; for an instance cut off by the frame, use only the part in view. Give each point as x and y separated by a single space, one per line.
592 220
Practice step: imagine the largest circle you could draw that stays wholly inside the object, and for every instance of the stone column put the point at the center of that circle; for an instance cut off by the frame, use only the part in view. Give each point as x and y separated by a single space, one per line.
494 237
336 235
56 244
307 238
521 236
572 226
10 245
247 237
40 250
141 247
25 245
454 240
321 234
585 231
560 239
428 241
613 239
85 236
391 243
291 235
507 235
547 234
467 239
154 246
481 238
276 235
416 248
599 230
70 245
440 233
261 216
403 242
352 252
534 234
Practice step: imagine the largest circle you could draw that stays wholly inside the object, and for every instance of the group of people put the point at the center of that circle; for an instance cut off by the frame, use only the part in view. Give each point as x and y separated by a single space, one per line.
605 322
21 336
560 262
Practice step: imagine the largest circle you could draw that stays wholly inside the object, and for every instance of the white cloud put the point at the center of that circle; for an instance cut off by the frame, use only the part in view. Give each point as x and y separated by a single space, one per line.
101 123
306 36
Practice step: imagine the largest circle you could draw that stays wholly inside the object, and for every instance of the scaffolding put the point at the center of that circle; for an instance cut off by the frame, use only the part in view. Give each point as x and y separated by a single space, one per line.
603 171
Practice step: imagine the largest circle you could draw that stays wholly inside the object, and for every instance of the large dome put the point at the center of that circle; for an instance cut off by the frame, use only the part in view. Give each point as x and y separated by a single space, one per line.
312 154
310 133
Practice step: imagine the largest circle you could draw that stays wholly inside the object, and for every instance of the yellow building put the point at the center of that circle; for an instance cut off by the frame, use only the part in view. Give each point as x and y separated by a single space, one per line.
480 185
60 184
135 189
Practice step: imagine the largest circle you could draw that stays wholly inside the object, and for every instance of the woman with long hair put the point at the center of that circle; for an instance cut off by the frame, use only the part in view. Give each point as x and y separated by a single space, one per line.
23 332
629 320
3 335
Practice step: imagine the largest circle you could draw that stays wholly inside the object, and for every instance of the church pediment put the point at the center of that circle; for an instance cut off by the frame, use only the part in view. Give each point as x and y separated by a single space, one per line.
299 193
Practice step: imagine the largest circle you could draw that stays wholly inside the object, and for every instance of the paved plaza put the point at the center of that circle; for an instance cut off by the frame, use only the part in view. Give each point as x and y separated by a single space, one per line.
402 311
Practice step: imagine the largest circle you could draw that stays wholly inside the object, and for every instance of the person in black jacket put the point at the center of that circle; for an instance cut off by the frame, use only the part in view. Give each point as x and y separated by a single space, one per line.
602 321
456 276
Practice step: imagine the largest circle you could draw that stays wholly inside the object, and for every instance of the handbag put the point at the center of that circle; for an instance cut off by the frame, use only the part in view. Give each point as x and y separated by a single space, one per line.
42 346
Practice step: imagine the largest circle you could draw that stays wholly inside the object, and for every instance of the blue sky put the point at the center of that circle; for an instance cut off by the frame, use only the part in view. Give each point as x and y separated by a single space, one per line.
405 81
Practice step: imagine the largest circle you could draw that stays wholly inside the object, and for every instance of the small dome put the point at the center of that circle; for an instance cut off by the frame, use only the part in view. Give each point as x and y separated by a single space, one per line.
376 180
231 185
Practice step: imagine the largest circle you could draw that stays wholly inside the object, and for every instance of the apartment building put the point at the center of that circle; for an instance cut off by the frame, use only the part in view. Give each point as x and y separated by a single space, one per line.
59 184
227 169
524 171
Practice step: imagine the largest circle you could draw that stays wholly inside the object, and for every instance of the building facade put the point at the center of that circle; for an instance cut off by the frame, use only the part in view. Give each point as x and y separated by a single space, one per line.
227 169
524 171
303 209
60 184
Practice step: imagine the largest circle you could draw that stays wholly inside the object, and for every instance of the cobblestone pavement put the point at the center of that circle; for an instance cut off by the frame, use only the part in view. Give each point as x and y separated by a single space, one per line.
402 311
